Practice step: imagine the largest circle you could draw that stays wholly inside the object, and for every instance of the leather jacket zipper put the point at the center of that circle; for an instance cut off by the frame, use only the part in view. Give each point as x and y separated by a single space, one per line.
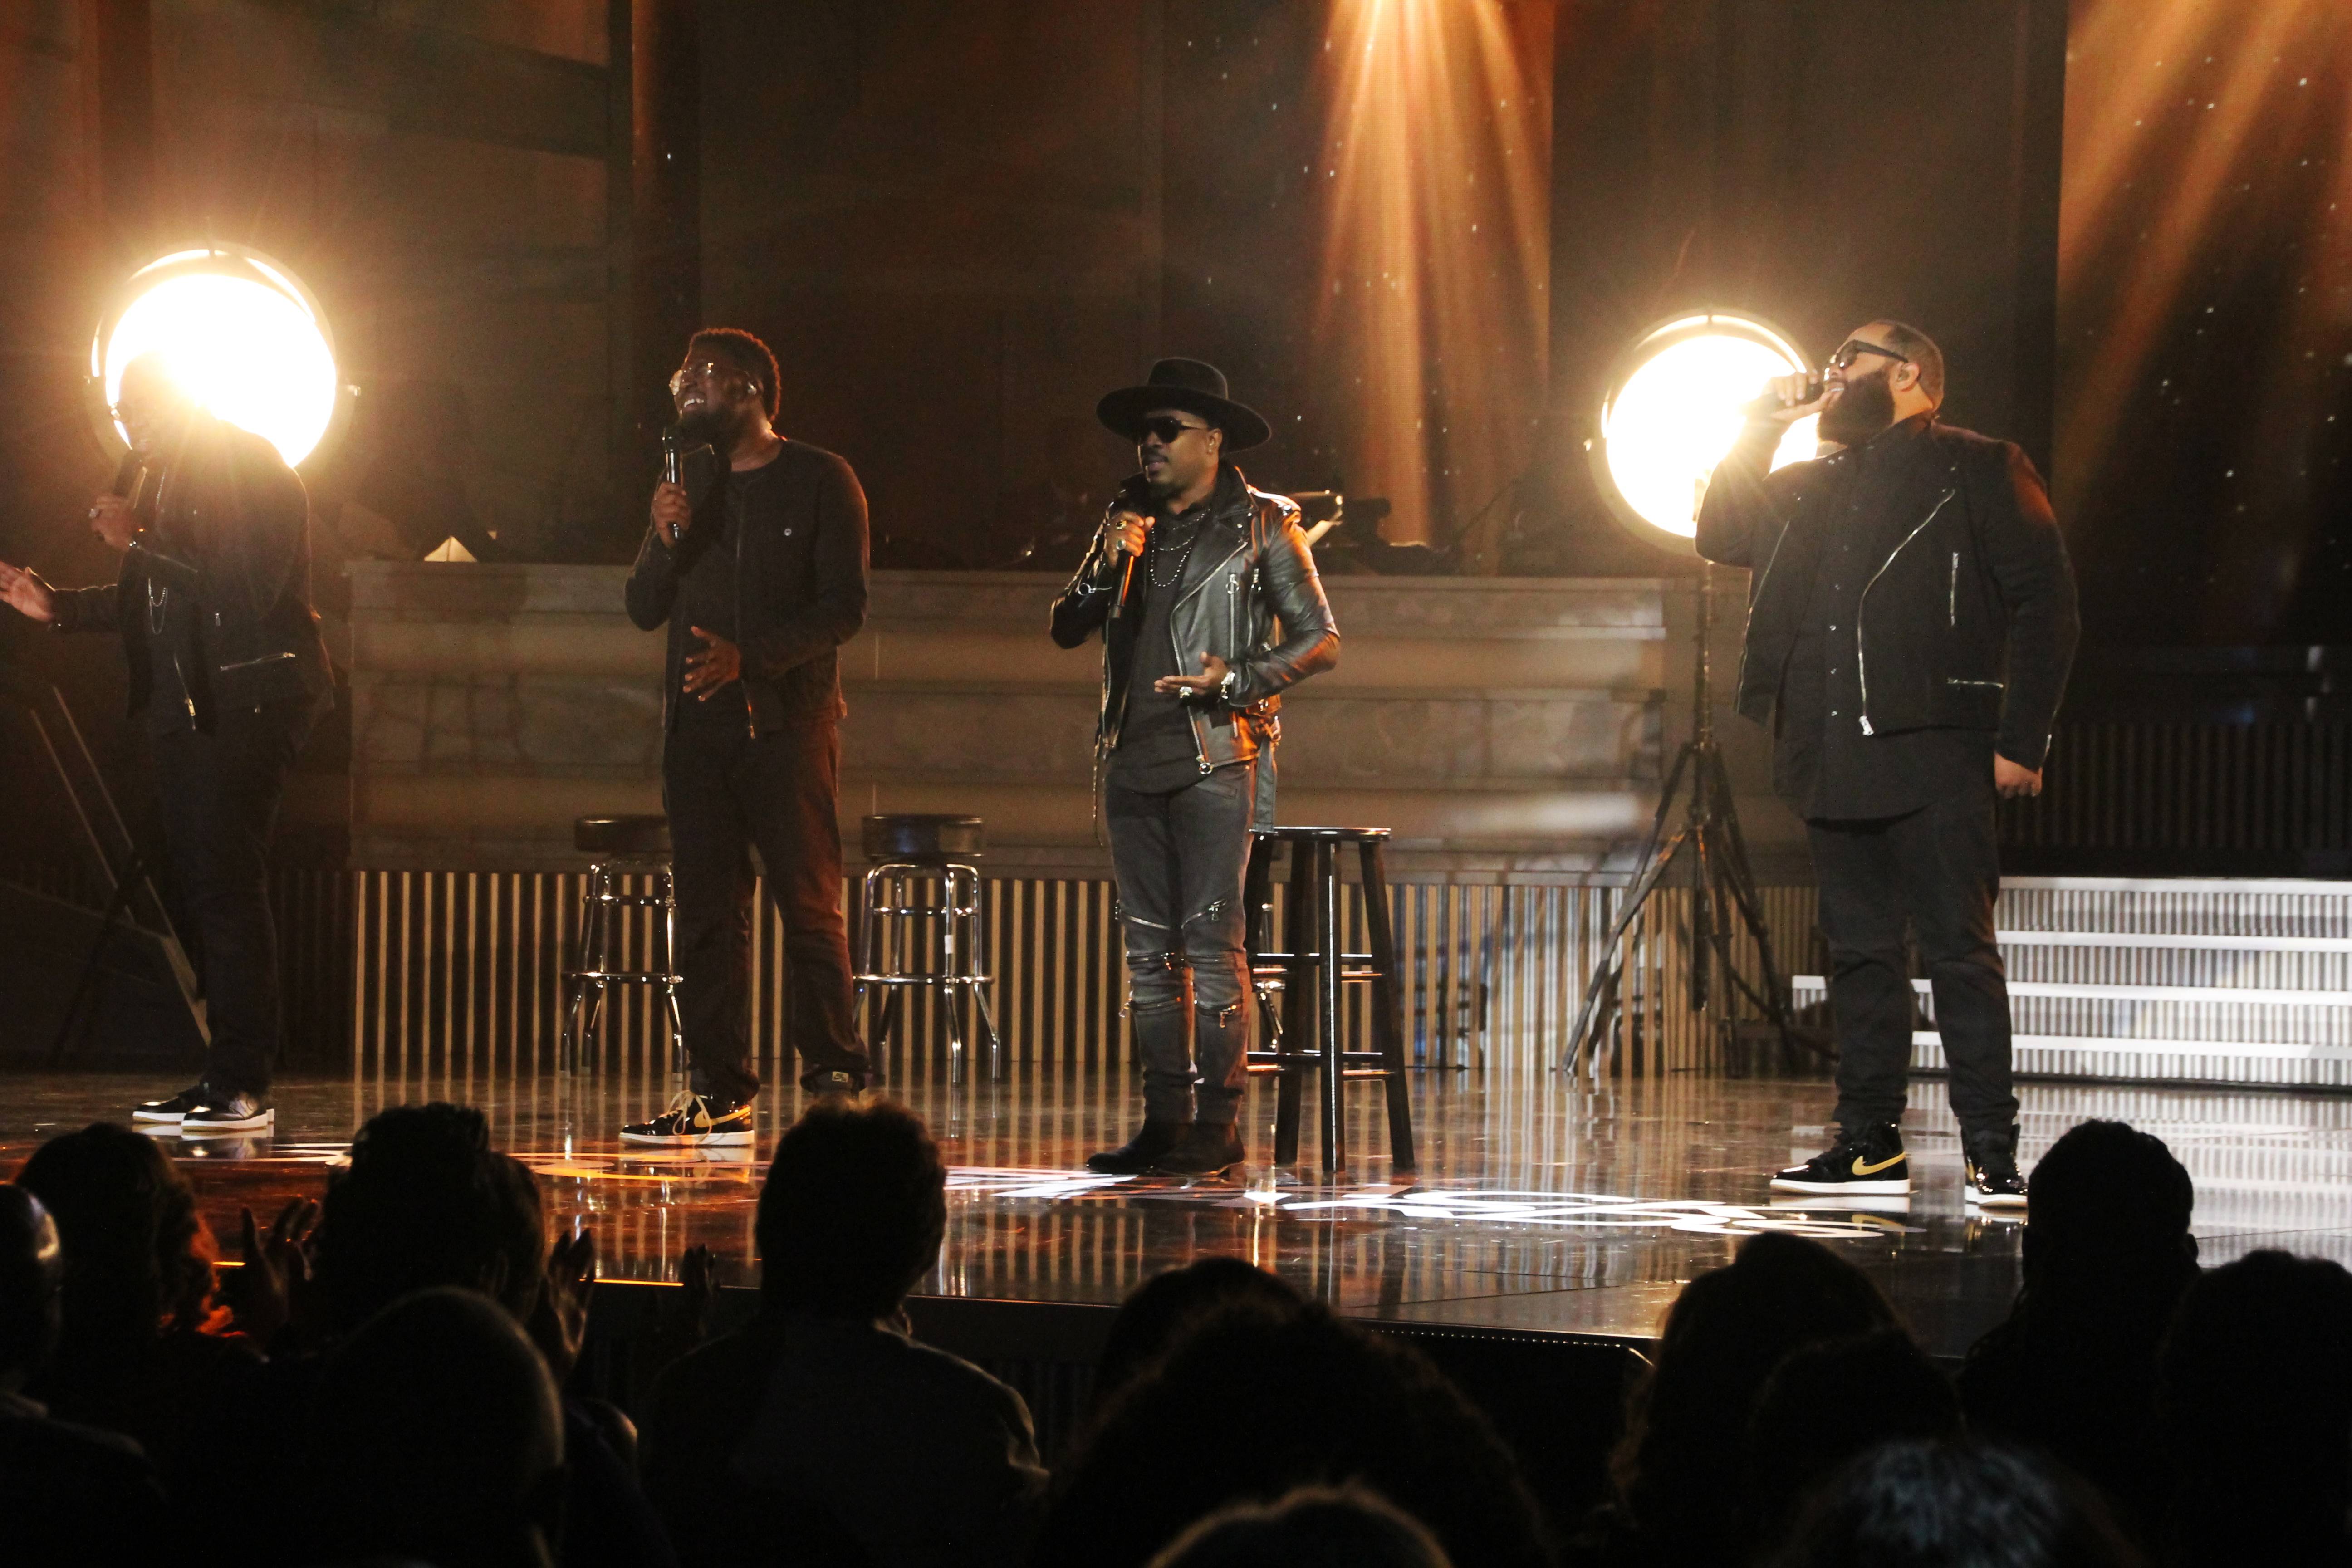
249 663
1861 662
1756 596
1953 608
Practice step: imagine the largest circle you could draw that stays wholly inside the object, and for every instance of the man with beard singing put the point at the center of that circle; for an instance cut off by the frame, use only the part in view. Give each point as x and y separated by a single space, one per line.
1911 622
758 564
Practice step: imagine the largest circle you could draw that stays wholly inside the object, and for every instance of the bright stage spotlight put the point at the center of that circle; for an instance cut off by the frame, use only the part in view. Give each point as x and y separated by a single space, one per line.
1673 410
238 330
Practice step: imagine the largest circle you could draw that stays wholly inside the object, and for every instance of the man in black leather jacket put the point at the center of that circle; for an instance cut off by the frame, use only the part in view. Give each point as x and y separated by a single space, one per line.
1187 581
756 563
229 673
1911 622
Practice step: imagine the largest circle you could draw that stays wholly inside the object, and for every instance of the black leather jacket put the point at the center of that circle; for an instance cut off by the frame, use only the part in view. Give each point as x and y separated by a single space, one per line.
1970 622
1251 570
232 531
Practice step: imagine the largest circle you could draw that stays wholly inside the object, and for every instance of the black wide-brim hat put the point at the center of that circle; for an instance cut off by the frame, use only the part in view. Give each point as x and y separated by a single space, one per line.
1188 385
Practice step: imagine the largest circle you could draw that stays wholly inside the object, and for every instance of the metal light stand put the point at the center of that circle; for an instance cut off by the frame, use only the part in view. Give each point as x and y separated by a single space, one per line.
1723 890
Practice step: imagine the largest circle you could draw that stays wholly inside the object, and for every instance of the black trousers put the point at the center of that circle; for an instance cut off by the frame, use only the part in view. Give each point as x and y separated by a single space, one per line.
1939 869
221 793
725 793
1180 857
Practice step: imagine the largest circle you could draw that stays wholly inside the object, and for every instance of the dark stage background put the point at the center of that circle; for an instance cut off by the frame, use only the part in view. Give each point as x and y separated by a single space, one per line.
1415 234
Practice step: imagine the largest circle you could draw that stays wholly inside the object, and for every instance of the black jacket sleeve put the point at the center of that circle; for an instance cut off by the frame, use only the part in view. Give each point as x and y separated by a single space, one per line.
1746 501
2027 559
1310 639
1085 606
834 612
85 609
652 587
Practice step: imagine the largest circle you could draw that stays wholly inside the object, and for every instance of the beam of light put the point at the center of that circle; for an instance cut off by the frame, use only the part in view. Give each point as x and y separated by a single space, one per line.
238 336
1676 411
1432 324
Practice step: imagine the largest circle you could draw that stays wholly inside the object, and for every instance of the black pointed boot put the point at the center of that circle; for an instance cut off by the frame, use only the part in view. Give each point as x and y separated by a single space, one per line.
1142 1153
1208 1149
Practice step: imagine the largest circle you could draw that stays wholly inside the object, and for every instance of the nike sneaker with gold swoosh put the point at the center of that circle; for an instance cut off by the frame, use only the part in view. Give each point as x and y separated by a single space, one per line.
1867 1160
1990 1179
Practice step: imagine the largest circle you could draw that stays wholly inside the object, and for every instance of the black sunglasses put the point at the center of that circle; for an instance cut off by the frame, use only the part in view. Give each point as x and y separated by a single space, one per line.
1853 348
1169 430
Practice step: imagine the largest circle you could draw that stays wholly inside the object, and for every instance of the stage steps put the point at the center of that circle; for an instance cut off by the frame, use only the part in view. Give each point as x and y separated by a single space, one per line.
2169 980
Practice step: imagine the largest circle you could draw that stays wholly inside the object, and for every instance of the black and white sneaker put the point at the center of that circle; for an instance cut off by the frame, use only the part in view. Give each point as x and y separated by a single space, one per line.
1868 1160
172 1110
1990 1178
227 1113
695 1121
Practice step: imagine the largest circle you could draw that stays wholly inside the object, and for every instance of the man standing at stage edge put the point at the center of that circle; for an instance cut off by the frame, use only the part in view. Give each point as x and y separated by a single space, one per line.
757 561
1187 580
1911 623
229 673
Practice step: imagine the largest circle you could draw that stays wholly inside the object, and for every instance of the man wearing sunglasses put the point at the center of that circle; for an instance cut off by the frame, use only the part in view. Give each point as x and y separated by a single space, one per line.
1209 608
227 675
1911 623
757 562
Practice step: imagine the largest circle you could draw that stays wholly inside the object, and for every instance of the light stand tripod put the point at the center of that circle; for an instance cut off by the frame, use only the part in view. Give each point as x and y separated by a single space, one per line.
1723 889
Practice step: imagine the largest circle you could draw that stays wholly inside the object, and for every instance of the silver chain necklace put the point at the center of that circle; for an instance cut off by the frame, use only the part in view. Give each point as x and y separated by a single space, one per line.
1181 552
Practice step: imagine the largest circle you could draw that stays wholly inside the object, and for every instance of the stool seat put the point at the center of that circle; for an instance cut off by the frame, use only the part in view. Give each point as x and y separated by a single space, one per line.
633 836
1288 835
923 839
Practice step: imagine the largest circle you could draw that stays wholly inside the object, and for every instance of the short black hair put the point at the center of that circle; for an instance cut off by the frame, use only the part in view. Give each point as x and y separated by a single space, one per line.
746 353
1921 351
854 1210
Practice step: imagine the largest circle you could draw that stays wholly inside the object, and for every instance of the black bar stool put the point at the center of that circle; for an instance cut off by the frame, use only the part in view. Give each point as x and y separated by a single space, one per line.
1310 969
620 847
912 853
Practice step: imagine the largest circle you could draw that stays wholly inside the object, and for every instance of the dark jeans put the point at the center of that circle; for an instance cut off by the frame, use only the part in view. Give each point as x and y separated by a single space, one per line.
726 791
1940 868
221 793
1179 859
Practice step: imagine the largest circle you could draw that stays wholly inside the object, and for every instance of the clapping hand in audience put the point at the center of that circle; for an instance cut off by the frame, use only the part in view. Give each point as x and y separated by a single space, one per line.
266 1294
560 1320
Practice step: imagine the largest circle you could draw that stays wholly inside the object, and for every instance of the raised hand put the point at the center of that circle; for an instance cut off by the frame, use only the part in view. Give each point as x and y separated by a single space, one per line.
26 595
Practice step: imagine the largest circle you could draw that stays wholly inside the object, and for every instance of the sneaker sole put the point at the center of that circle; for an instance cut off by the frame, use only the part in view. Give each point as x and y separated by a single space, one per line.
1897 1188
1995 1200
687 1140
159 1115
190 1127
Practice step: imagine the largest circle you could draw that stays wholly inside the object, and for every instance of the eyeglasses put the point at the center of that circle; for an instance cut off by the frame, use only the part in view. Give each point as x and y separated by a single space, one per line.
1853 348
1169 430
707 371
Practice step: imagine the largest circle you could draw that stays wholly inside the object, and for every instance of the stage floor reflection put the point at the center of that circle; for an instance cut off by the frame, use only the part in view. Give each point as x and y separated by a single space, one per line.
1543 1204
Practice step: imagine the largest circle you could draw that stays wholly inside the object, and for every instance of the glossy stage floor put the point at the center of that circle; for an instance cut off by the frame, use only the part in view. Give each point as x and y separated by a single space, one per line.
1545 1204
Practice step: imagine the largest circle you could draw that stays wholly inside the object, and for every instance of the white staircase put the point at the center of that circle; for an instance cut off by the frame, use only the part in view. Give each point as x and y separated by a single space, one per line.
2170 980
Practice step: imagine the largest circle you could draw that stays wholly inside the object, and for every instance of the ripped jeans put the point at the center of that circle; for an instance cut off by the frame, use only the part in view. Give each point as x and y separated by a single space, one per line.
1179 859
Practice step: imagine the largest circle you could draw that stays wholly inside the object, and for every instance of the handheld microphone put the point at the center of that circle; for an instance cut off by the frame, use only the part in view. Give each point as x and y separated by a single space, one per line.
134 481
673 456
1770 403
1129 494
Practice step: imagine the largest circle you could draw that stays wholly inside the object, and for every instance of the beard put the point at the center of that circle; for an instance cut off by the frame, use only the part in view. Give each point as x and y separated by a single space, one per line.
1862 411
714 424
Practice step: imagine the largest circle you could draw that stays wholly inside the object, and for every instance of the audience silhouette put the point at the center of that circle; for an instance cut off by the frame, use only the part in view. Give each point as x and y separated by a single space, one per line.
1678 1500
2073 1372
420 1336
134 1356
1954 1505
823 1433
1259 1397
1158 1312
435 1434
1829 1401
2256 1401
1313 1527
69 1493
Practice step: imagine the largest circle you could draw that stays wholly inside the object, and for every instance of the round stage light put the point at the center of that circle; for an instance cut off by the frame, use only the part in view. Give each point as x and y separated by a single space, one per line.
1673 410
239 332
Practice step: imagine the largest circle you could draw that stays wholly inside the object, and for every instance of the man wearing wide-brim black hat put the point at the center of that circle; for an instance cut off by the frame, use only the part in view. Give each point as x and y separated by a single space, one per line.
1192 579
